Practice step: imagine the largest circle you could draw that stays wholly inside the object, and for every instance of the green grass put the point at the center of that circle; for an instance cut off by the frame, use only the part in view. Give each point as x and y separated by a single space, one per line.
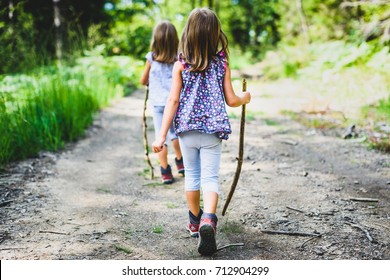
144 173
380 144
129 233
249 115
271 122
231 228
53 106
153 184
171 205
157 229
312 121
104 190
123 249
379 111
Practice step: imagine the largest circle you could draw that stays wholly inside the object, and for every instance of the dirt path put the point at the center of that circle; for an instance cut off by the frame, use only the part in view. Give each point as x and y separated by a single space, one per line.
94 200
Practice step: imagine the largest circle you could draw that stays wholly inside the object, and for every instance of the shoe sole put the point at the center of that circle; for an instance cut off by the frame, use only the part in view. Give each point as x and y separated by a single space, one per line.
207 244
181 172
168 181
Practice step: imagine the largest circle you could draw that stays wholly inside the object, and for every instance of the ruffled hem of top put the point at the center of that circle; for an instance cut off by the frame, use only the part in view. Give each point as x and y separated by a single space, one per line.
224 135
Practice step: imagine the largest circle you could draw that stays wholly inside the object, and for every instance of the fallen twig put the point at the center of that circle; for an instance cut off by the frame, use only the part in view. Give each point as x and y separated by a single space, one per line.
70 223
5 203
230 245
296 233
6 194
364 199
291 208
54 232
7 249
362 229
382 225
310 239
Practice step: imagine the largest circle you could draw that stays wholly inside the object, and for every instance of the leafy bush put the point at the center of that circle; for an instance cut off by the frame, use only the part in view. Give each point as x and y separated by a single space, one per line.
313 60
43 111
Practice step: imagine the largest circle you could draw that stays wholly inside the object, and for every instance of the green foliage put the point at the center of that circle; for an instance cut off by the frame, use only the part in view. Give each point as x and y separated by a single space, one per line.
240 60
29 36
380 112
131 31
317 58
253 25
17 51
123 249
315 121
334 20
158 229
171 205
45 110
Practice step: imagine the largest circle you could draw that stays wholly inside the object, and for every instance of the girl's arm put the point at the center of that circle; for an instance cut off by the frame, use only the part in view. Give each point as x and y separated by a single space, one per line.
145 75
231 98
170 107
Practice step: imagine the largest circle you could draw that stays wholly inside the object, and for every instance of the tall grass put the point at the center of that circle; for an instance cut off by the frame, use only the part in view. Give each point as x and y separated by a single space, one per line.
44 110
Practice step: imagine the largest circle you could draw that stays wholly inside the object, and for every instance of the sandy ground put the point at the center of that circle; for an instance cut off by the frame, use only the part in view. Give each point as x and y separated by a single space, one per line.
295 199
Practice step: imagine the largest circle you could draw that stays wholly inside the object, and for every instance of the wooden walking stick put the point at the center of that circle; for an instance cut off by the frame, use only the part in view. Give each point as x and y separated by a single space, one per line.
145 126
240 154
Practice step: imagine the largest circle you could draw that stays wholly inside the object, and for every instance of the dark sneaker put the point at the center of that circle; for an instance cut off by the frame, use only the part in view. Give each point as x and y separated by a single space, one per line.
207 244
180 166
193 229
166 175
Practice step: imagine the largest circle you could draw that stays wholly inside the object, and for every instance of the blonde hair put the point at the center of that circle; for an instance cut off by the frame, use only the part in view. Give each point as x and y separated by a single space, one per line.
164 42
201 38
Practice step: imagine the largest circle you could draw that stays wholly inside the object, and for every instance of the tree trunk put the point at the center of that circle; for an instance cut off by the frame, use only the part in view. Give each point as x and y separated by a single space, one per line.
57 26
11 10
304 26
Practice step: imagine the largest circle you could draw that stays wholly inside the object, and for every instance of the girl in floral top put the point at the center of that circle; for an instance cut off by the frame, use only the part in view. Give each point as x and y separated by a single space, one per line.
158 76
201 85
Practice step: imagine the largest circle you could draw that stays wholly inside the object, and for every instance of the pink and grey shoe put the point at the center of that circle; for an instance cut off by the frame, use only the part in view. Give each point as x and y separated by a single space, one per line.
180 166
193 229
166 175
207 244
193 225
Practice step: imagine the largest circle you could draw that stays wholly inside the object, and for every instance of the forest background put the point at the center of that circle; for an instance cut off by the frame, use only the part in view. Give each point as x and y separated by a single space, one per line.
63 60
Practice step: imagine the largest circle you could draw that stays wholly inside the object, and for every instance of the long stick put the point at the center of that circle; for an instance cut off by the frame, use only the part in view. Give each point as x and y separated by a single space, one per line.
145 126
364 199
230 245
362 229
240 154
291 233
53 232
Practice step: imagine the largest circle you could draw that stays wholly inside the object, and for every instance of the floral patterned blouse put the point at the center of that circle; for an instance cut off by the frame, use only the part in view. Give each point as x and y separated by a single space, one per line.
202 100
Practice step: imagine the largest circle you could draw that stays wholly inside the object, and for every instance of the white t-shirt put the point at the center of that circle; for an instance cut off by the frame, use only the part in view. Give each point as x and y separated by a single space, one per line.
160 81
